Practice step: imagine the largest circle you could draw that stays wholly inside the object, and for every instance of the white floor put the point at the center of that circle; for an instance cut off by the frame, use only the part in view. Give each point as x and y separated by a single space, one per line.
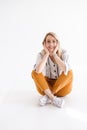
19 109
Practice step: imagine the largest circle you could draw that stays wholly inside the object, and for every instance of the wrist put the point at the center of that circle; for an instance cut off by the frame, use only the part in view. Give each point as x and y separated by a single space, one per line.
47 53
54 54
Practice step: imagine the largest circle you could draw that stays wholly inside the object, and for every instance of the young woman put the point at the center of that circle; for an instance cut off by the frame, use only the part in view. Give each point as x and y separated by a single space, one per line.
52 74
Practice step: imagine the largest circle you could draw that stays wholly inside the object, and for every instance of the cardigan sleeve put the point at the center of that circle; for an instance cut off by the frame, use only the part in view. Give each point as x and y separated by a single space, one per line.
65 58
38 59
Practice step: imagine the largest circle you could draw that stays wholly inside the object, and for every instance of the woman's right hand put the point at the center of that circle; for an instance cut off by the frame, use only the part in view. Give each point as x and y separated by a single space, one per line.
46 50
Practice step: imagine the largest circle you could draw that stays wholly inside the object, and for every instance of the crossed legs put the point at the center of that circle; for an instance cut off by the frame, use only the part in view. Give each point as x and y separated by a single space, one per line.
59 87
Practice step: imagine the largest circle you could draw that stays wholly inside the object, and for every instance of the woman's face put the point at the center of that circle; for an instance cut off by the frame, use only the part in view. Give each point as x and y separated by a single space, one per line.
50 43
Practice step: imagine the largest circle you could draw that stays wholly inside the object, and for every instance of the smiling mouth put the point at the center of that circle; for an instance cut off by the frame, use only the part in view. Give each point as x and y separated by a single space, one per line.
50 48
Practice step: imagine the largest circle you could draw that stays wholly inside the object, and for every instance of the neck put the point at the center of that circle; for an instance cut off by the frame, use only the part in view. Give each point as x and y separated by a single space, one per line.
52 58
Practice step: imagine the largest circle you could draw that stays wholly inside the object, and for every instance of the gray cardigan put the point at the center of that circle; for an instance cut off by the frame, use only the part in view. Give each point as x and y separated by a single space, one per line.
51 69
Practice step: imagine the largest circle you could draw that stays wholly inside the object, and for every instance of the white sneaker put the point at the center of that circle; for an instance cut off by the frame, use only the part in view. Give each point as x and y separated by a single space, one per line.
44 100
59 102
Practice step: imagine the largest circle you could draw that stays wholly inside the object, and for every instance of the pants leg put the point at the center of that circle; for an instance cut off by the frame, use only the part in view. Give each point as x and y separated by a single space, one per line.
63 84
40 82
65 91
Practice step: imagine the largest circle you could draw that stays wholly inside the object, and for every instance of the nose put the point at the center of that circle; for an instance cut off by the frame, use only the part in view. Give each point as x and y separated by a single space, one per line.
51 43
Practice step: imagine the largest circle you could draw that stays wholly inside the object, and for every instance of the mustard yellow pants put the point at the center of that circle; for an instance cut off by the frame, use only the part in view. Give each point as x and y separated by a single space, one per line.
60 87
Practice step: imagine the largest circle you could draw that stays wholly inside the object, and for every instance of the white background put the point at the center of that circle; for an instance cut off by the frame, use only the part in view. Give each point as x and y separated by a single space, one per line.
23 25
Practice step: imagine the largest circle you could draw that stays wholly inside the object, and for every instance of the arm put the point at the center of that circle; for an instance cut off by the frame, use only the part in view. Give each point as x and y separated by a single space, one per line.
43 61
58 60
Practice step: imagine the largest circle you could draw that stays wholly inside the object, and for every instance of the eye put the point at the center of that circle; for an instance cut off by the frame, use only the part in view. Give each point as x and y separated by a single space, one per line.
54 41
48 41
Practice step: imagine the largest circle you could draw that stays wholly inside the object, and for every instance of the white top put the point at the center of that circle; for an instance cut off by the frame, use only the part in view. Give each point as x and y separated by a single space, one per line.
51 69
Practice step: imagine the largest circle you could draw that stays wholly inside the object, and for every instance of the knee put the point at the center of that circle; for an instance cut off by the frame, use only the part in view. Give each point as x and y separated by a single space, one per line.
33 73
63 94
70 75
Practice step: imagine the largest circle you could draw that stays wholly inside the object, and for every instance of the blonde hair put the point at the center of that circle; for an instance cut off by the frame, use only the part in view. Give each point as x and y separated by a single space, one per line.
59 52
